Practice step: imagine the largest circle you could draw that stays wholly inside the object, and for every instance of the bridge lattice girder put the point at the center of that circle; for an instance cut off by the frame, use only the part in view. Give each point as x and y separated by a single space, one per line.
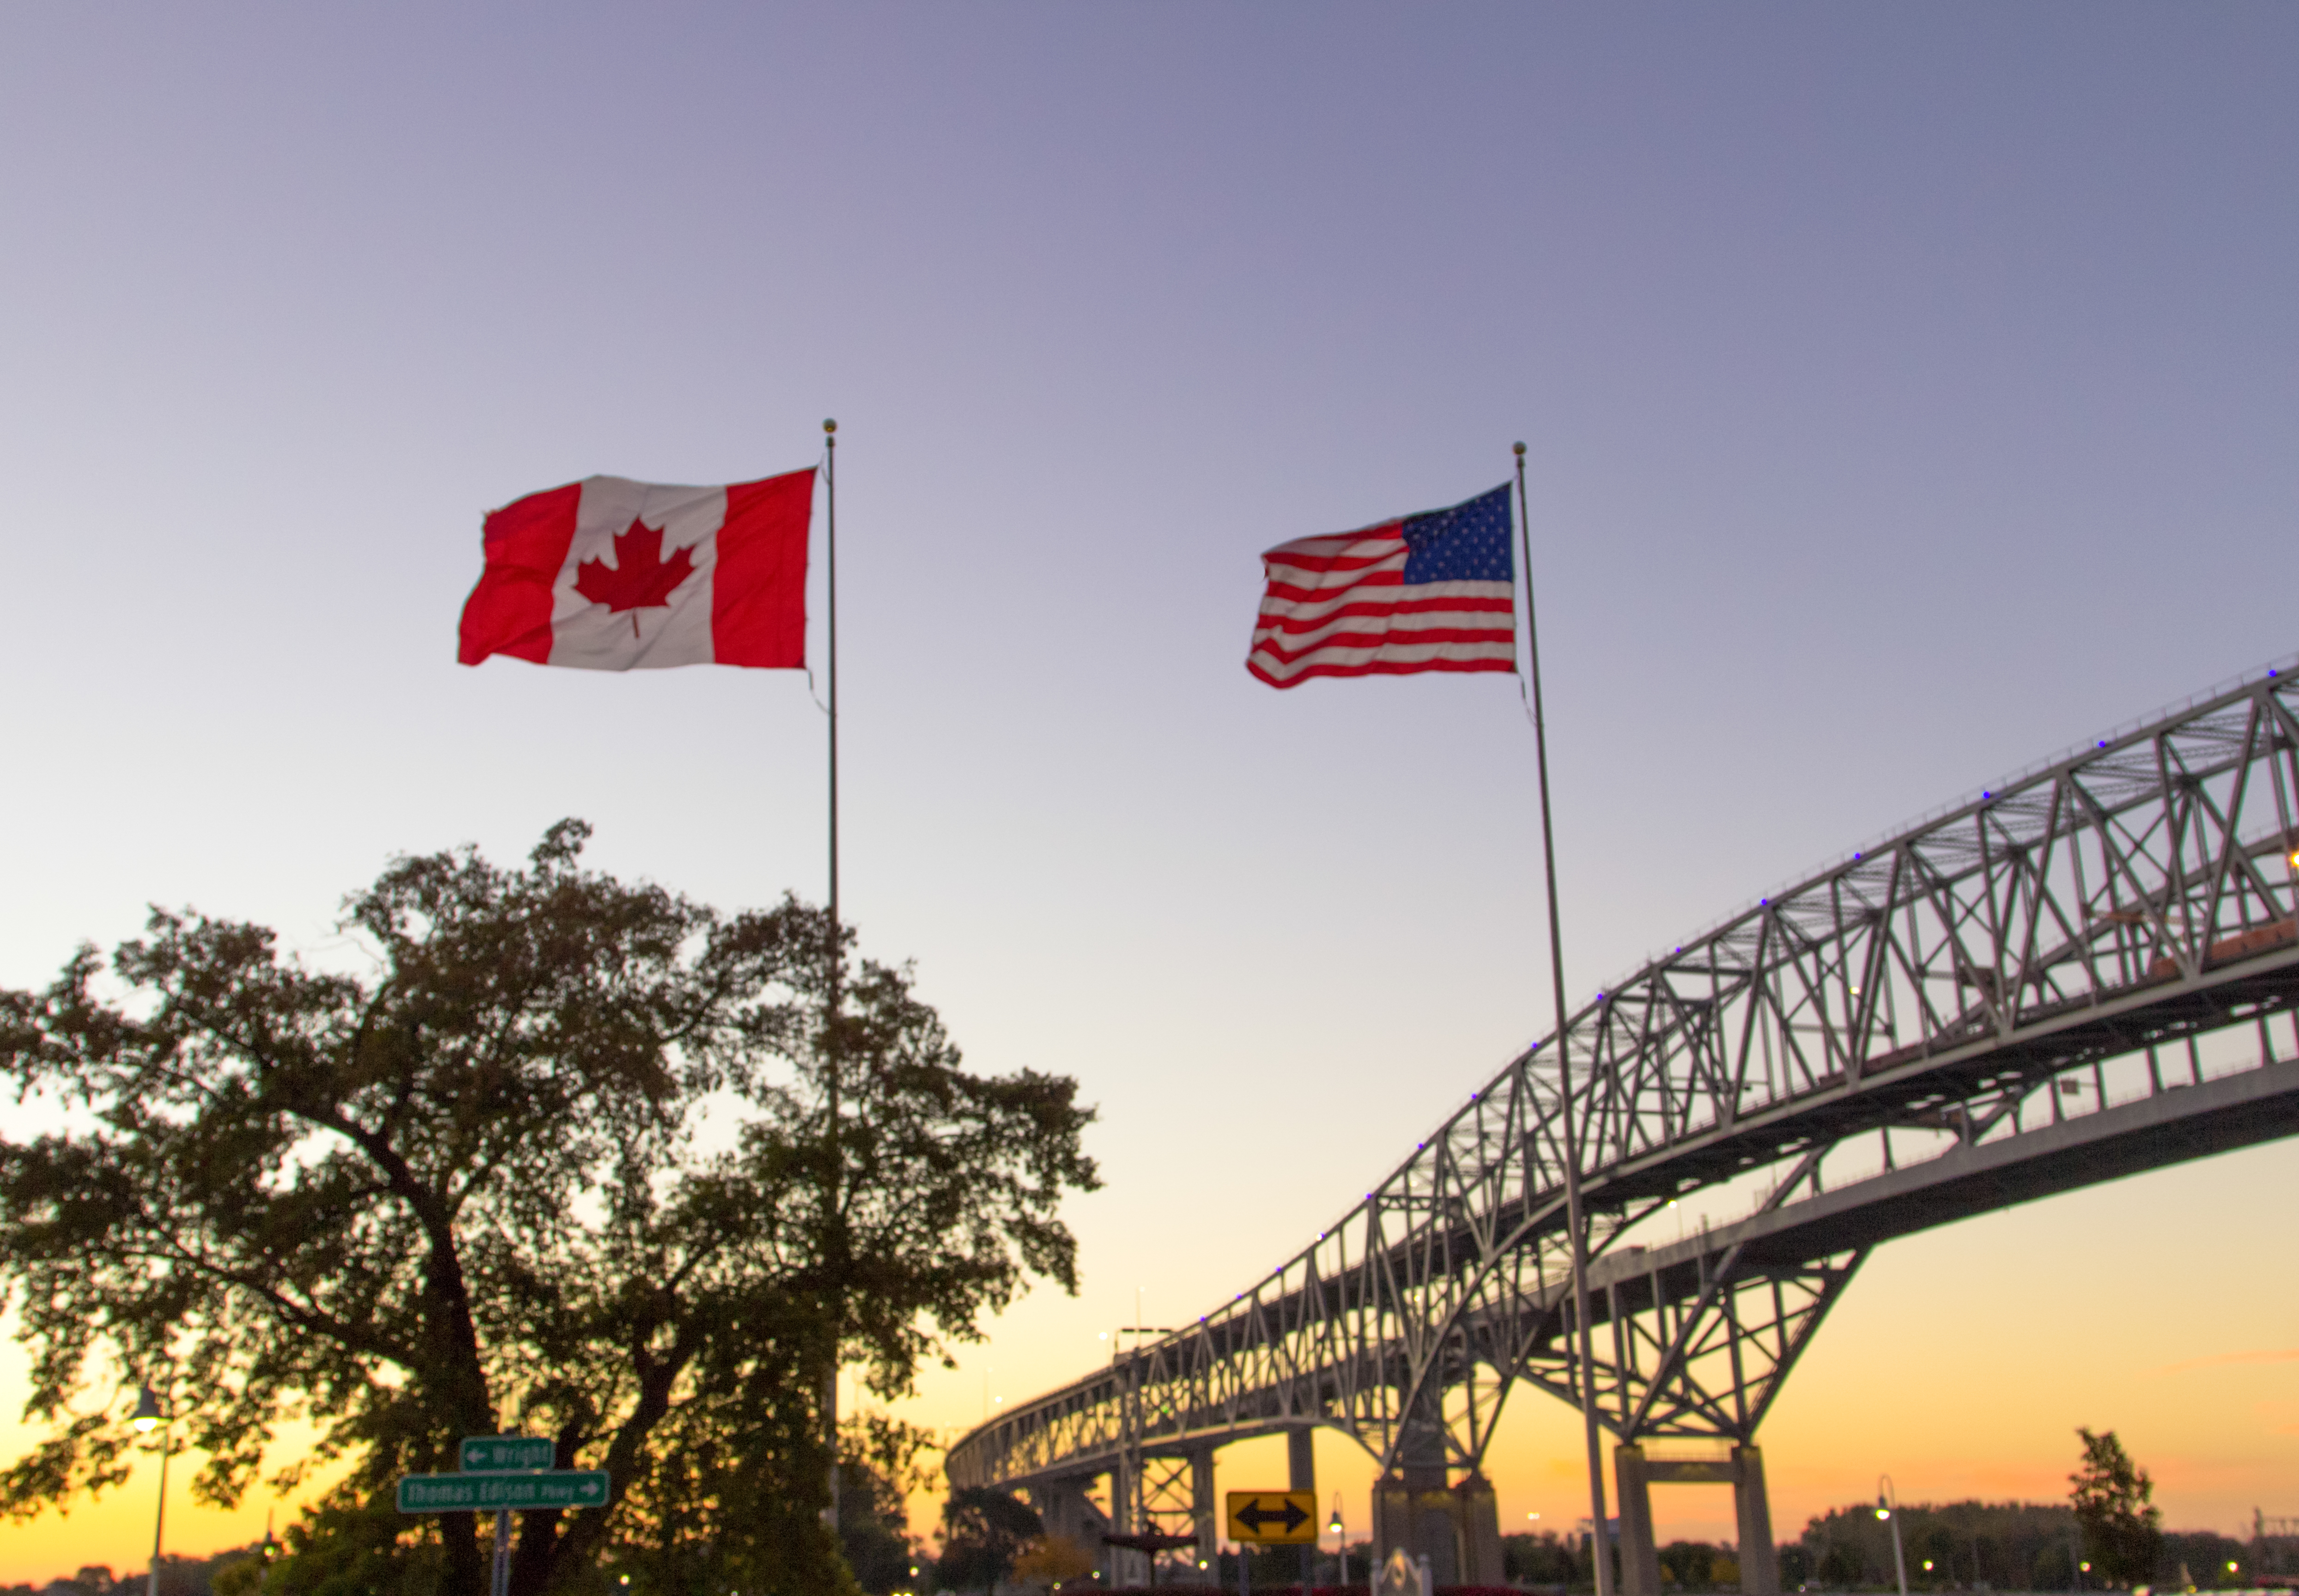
1991 972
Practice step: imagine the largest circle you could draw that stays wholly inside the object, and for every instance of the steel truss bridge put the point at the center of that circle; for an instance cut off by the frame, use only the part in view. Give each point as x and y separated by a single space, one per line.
2090 971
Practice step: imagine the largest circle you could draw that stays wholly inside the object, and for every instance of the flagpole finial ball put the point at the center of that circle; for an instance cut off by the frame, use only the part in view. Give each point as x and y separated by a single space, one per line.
830 426
1519 448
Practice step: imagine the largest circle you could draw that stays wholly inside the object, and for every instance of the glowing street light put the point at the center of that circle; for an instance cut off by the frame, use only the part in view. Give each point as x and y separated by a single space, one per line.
1887 1500
148 1418
1340 1539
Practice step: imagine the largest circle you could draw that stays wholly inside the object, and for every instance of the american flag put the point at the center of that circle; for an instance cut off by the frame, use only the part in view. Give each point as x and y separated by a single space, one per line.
1428 592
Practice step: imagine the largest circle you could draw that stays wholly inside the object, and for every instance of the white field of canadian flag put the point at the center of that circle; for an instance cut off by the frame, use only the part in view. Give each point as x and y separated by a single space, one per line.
610 575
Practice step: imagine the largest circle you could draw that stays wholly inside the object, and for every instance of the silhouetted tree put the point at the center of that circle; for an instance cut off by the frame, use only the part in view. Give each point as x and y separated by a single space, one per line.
984 1530
879 1466
2122 1530
1687 1563
1541 1560
455 1184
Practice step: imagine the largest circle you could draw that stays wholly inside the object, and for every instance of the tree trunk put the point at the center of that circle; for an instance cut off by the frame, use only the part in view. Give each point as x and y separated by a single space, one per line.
467 1571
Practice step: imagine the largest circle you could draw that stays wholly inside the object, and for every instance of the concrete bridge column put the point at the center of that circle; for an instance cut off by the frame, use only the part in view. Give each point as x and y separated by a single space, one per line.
1301 1475
1127 1567
1639 1556
1478 1514
1412 1506
1062 1504
1760 1560
1204 1515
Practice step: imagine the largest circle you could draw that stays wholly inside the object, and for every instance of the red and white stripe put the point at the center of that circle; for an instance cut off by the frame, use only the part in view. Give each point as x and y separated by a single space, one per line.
1341 606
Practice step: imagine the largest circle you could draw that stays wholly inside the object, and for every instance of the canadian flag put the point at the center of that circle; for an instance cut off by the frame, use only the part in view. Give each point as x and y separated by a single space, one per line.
607 575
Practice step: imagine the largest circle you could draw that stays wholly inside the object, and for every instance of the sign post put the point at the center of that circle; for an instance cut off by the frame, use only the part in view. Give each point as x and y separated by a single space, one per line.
508 1474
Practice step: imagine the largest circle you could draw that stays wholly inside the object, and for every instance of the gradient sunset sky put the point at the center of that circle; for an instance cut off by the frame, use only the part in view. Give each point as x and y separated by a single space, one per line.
1910 393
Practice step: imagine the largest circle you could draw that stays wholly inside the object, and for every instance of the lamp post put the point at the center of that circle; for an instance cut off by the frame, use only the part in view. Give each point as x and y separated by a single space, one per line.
1340 1539
1888 1502
148 1416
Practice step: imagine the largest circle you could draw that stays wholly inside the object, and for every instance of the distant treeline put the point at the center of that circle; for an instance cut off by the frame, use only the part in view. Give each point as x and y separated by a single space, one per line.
2010 1545
226 1574
2006 1546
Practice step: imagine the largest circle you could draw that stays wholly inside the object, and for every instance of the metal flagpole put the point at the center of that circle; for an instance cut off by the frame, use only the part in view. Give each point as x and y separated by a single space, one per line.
830 486
830 1019
1600 1549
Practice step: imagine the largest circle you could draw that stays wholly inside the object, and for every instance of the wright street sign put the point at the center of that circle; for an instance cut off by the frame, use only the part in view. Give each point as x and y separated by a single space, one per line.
491 1454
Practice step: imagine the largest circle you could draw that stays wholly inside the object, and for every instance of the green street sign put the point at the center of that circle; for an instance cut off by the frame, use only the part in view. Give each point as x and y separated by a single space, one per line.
486 1492
491 1454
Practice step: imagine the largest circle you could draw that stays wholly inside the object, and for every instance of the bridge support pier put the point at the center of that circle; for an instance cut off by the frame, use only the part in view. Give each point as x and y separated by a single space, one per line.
1127 1567
1634 1476
1760 1560
1064 1507
1067 1511
1639 1554
1456 1527
1411 1507
1301 1475
1203 1517
1479 1515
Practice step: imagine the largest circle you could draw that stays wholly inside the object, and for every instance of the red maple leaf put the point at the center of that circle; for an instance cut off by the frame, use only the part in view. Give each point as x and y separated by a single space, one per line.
639 578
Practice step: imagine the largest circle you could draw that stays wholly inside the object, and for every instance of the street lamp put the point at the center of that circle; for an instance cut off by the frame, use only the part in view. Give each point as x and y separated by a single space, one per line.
1341 1538
1887 1500
148 1417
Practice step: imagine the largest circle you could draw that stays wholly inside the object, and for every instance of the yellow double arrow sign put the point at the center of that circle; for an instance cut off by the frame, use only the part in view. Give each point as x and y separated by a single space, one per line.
1274 1518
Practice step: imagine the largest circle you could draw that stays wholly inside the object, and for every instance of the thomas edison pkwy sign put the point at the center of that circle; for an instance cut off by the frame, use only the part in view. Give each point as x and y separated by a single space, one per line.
486 1492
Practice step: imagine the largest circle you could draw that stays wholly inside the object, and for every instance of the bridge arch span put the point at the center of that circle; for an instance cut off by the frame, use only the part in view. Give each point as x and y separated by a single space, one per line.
2089 970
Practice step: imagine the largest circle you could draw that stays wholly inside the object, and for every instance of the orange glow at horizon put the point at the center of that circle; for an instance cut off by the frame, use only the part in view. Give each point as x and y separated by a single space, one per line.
1960 1362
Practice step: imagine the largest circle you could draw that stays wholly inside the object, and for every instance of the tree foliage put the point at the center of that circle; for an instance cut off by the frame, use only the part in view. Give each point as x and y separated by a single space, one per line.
568 1157
2010 1545
1052 1561
2123 1528
1540 1560
983 1532
880 1463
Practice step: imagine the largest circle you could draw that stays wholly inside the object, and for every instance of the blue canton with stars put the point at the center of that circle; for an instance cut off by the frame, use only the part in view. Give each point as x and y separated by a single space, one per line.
1469 543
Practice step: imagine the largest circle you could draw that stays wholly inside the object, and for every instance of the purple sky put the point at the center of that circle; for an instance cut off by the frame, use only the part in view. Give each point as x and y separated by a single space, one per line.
1909 392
